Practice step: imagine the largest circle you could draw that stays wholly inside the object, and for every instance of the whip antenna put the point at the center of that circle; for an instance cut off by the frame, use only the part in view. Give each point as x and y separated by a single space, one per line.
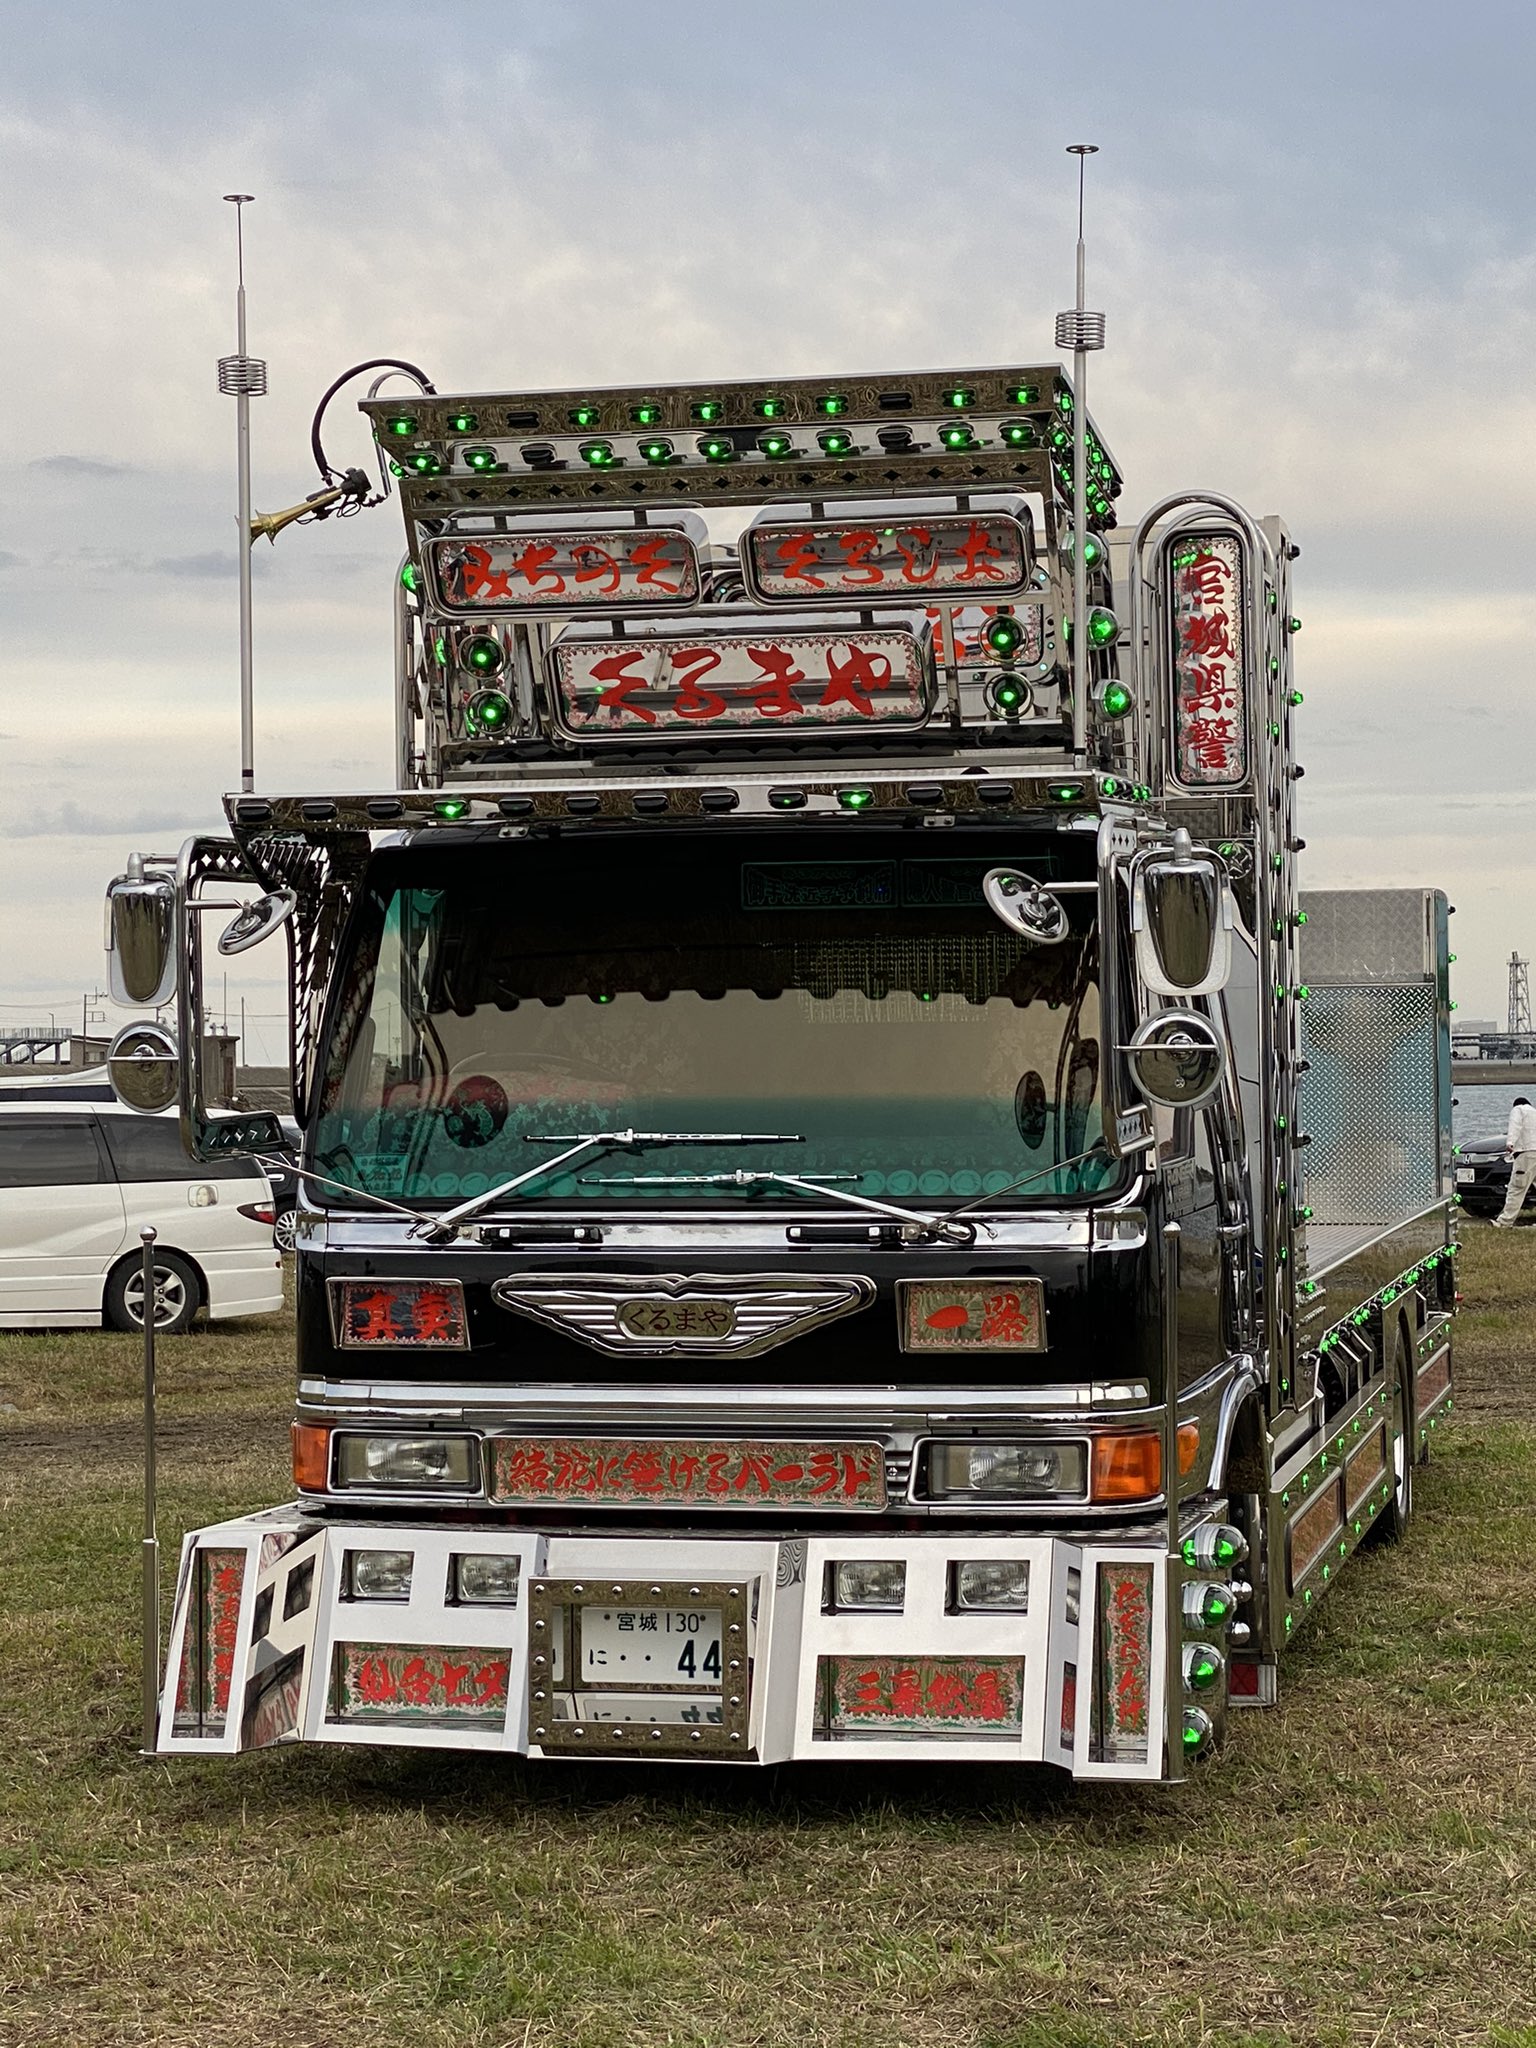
1080 331
243 377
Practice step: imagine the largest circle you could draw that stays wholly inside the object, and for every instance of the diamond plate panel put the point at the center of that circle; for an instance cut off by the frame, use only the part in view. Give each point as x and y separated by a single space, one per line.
1366 935
1371 1102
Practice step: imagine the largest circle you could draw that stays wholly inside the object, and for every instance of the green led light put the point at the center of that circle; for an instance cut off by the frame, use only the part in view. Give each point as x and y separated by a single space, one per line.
1003 635
1008 693
1060 437
602 999
394 468
410 576
440 651
769 408
464 422
709 411
489 711
646 415
1114 700
1451 958
716 448
1109 786
425 463
1293 625
1295 697
832 405
1017 434
1023 394
585 416
1064 792
855 799
836 442
484 655
1103 627
957 438
451 808
599 454
960 398
776 446
1063 401
401 424
657 451
481 459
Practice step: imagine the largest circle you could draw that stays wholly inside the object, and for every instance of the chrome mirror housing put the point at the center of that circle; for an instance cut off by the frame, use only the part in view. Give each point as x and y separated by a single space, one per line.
141 931
1176 1059
144 1068
1025 906
257 921
1181 916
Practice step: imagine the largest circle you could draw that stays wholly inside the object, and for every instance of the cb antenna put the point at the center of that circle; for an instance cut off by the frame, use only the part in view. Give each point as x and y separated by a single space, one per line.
1080 331
243 377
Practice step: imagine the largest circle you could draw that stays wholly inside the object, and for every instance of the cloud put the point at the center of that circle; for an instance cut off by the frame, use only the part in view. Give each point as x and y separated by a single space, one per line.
69 821
10 561
79 466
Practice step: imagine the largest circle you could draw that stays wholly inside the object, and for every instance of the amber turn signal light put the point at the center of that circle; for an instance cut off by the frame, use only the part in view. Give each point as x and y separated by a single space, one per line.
311 1457
1189 1447
1127 1466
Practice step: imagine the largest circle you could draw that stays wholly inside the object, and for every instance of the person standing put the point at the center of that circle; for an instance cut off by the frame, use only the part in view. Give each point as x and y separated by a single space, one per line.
1520 1147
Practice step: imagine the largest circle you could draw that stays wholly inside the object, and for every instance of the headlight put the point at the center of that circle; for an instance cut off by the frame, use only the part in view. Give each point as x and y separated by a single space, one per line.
873 1585
446 1464
487 1578
379 1574
991 1586
1028 1471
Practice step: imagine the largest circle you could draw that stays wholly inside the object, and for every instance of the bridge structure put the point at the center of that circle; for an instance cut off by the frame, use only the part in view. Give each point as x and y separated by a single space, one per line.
32 1045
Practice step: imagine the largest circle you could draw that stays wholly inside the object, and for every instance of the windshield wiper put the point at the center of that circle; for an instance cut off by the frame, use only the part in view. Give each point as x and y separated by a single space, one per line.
436 1228
822 1184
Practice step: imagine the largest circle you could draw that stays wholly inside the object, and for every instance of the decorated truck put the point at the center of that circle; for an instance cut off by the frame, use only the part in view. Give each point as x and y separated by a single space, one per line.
850 1206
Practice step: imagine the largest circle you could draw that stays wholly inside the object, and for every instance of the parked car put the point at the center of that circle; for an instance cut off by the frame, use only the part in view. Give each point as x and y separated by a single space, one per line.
79 1182
1482 1178
284 1181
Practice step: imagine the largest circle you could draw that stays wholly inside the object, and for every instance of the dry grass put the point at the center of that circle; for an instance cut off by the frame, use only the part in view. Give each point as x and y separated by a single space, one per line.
1356 1868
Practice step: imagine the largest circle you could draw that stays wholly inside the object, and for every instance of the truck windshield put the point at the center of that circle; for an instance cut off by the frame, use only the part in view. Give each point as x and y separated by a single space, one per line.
866 1006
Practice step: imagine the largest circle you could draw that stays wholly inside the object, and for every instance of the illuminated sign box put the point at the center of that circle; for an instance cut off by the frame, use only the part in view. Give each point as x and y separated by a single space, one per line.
1208 659
890 554
745 677
572 566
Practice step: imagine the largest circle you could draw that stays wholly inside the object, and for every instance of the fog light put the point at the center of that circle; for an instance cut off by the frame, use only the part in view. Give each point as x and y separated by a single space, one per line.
1204 1666
379 1574
869 1586
489 1579
992 1586
419 1463
1215 1544
1207 1604
1030 1471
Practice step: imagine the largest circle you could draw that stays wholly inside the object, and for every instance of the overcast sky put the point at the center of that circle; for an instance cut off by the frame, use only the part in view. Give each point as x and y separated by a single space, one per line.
1310 229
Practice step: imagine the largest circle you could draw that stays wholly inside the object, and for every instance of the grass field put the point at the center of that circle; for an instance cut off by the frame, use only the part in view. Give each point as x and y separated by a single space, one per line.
1358 1867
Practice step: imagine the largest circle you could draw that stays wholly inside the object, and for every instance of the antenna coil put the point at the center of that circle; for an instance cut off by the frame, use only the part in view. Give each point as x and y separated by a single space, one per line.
1078 329
242 376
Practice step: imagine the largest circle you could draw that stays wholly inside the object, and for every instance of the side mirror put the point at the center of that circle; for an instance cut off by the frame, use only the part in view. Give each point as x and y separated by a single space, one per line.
144 1068
1181 915
1176 1059
257 921
1025 906
141 949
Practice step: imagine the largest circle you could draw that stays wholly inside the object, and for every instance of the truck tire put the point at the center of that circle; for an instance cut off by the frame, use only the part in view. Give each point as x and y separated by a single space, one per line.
177 1294
1391 1524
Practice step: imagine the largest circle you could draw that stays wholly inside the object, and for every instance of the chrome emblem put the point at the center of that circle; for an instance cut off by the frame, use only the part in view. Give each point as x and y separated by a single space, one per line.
675 1315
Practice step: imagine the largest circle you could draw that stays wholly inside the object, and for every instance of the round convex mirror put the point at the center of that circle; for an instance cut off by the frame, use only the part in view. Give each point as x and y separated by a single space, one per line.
1176 1059
143 1068
1025 906
256 921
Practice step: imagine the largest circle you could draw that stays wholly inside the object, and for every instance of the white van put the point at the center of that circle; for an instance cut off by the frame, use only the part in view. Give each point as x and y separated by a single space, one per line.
79 1181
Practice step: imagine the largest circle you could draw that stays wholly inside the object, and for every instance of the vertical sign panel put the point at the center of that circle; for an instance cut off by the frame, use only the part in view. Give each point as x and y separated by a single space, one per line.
1207 660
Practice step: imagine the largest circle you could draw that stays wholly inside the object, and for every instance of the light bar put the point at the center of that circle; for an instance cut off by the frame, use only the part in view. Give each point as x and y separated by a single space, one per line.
746 679
886 555
569 568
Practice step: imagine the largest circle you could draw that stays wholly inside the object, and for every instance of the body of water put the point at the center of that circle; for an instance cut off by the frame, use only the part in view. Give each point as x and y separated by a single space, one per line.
1482 1111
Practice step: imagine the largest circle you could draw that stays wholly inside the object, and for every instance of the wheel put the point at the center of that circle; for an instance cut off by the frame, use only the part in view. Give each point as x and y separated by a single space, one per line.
176 1295
1392 1523
285 1228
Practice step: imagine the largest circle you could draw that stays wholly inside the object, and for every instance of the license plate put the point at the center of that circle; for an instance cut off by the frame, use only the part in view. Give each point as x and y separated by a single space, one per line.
1466 1173
647 1709
649 1646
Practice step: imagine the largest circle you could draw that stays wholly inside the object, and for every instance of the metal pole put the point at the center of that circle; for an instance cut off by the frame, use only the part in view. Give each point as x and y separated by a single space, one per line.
243 377
1173 1620
1081 331
150 1548
243 515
